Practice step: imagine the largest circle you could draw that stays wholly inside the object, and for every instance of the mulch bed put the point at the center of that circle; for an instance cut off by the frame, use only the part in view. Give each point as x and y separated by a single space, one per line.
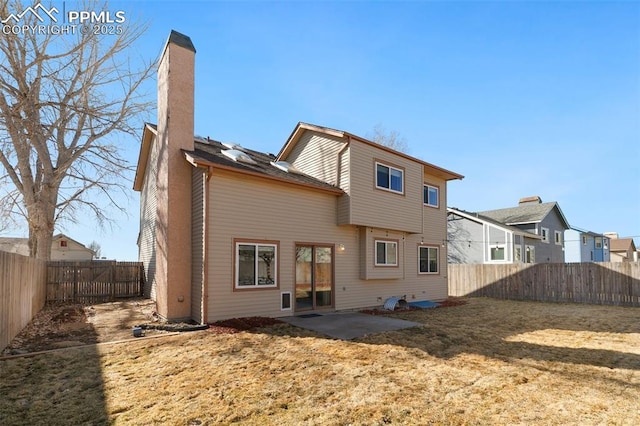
236 325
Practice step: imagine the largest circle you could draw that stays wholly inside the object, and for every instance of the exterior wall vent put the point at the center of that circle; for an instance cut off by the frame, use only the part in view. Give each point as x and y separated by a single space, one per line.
286 167
238 156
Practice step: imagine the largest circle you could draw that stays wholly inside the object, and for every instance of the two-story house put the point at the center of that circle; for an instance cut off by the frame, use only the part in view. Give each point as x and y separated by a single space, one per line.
332 222
585 246
474 238
531 232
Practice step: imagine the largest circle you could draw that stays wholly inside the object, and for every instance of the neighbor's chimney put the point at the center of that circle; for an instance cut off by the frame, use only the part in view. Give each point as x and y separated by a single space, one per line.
530 200
176 72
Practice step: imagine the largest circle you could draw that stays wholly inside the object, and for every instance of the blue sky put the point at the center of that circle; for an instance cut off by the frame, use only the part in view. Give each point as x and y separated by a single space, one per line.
523 98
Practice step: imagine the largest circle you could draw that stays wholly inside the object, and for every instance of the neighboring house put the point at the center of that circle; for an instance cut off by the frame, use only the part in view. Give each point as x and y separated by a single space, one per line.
62 248
509 235
585 246
474 238
332 222
622 249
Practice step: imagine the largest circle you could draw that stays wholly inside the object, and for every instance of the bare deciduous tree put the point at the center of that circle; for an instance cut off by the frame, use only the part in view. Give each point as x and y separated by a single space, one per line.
97 250
65 100
391 139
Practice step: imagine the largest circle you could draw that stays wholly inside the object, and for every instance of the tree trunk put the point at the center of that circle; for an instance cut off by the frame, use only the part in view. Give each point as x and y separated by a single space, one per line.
41 225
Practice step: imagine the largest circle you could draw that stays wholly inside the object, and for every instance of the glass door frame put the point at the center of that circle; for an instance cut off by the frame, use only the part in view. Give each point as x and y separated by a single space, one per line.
312 292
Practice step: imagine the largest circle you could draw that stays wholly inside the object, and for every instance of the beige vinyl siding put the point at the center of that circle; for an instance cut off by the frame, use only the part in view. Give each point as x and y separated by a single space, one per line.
373 272
317 155
245 207
344 182
198 203
148 212
377 208
73 251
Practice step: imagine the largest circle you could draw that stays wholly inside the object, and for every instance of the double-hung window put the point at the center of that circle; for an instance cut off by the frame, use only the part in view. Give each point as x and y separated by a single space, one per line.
256 265
389 178
386 253
430 195
544 232
428 260
558 237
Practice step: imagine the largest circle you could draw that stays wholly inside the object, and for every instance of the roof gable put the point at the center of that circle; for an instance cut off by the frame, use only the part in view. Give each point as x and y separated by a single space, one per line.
526 213
476 217
301 128
622 244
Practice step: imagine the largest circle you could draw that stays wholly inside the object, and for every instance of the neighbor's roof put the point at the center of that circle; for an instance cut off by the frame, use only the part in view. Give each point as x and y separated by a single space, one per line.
302 127
477 217
20 245
526 213
208 153
622 244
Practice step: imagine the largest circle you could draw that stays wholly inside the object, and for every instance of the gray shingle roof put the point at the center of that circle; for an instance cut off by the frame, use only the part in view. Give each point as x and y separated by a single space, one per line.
210 152
494 222
526 213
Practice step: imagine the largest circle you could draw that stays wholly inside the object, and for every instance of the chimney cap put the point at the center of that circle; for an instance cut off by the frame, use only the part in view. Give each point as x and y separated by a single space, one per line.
181 40
530 200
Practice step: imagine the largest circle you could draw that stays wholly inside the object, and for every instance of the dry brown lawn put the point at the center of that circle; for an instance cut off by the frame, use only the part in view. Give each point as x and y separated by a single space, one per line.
487 362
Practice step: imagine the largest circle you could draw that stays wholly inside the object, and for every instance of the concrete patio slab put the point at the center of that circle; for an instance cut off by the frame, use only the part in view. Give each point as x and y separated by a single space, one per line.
348 325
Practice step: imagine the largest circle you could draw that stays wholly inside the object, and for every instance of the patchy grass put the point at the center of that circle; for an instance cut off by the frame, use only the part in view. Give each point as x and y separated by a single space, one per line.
487 362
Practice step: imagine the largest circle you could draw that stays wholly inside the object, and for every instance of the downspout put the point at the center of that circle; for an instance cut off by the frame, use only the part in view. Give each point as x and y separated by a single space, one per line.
205 247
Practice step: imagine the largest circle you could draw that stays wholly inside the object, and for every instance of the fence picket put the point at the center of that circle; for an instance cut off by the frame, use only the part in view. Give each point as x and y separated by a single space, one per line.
594 283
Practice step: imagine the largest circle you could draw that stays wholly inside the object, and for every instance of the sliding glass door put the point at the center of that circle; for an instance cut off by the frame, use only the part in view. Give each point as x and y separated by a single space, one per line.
314 277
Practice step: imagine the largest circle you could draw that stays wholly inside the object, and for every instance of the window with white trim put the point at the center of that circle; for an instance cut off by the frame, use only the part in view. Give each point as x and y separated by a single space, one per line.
530 254
430 195
557 237
584 240
498 253
517 254
256 265
598 242
389 178
428 260
386 253
545 234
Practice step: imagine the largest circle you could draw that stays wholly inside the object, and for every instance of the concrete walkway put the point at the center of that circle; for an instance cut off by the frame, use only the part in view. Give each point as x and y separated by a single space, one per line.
348 326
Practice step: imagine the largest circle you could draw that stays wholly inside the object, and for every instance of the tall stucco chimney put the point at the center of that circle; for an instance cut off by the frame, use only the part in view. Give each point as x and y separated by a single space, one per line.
176 72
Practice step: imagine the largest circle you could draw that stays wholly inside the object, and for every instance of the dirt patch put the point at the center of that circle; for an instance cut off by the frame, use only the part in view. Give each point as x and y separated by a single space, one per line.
66 325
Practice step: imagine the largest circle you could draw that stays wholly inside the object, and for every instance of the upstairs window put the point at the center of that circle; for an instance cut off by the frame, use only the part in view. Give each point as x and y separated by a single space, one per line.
558 237
386 253
389 178
63 243
544 232
584 240
430 195
598 242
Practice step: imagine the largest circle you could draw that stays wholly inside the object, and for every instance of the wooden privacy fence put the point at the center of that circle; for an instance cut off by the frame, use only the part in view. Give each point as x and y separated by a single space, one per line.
93 281
595 283
22 293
